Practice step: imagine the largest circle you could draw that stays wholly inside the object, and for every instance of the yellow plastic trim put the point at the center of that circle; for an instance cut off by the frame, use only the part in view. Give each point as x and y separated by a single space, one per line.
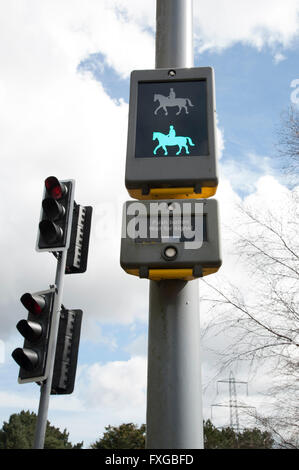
159 274
173 193
207 271
185 274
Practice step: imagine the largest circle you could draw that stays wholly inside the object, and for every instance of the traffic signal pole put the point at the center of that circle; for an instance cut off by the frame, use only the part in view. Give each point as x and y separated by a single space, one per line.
174 33
174 402
64 230
45 389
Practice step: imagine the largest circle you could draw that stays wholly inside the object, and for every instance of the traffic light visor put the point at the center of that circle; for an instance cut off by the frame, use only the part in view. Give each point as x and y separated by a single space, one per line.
26 358
33 303
54 188
50 232
31 331
52 208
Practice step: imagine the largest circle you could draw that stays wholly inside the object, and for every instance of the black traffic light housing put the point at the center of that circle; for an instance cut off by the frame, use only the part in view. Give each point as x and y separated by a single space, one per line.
33 357
56 215
66 357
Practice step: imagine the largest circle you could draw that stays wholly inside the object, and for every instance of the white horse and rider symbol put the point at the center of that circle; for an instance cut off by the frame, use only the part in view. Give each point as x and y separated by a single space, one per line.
171 100
171 139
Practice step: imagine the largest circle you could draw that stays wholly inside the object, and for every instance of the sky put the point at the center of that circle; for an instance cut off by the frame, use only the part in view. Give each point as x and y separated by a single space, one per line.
64 91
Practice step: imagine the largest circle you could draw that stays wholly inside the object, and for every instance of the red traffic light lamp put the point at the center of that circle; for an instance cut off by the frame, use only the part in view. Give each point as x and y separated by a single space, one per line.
33 303
55 188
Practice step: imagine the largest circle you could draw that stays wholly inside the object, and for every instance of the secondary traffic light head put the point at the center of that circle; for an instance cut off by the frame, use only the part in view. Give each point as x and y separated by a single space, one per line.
32 358
67 348
56 215
77 254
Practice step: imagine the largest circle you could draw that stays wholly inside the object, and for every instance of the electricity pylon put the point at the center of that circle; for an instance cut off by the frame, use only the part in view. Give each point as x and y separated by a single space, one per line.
233 402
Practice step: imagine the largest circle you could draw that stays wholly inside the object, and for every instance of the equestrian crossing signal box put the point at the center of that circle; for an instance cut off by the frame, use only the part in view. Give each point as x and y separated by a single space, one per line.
170 239
171 148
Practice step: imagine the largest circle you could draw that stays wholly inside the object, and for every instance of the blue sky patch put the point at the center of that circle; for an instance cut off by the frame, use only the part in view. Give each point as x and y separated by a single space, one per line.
115 86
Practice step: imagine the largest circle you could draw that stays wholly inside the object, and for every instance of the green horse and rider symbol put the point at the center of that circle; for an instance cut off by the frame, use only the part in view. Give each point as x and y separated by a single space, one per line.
171 139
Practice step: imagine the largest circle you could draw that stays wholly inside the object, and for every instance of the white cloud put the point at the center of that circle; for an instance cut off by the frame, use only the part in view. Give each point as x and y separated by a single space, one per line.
107 394
255 22
110 386
243 174
56 121
219 24
219 139
37 39
17 400
279 57
42 34
268 197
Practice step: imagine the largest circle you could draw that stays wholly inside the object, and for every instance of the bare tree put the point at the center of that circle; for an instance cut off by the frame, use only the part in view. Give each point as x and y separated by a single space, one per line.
288 142
262 315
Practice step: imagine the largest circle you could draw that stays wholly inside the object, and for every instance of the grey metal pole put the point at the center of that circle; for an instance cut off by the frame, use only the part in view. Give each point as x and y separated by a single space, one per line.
174 33
41 424
174 402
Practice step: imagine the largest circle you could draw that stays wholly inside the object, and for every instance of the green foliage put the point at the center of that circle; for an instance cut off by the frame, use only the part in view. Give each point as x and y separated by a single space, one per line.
18 433
125 436
129 436
227 438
